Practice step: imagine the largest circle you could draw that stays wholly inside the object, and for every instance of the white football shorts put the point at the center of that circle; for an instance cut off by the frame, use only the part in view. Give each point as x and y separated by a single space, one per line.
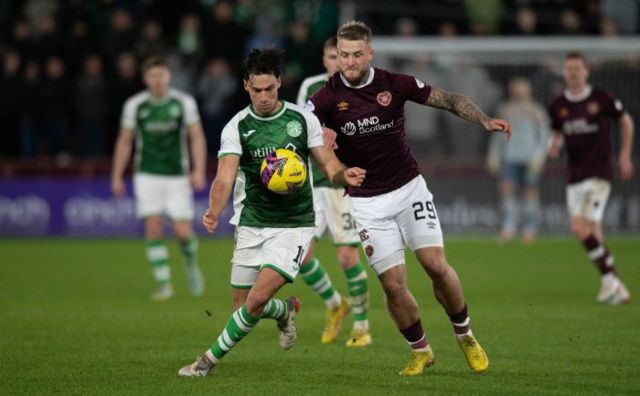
588 198
281 249
333 214
160 194
389 222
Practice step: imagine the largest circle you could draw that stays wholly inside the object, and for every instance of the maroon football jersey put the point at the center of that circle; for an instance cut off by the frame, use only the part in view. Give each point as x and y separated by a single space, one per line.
585 126
369 121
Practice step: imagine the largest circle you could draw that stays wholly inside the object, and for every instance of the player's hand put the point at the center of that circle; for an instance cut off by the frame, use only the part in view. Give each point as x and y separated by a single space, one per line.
354 176
198 181
498 125
329 136
118 188
210 221
553 151
626 168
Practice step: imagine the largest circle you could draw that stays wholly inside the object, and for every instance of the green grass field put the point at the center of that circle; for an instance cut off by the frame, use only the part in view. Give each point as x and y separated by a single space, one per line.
75 317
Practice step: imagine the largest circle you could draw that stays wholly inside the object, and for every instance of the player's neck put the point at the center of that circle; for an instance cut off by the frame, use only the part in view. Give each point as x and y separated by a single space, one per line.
158 96
275 110
578 93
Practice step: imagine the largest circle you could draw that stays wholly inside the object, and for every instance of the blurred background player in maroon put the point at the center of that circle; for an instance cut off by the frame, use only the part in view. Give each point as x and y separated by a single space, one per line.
580 118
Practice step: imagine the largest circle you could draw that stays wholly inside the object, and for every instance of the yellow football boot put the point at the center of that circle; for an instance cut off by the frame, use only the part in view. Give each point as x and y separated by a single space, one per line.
417 362
359 338
334 320
473 352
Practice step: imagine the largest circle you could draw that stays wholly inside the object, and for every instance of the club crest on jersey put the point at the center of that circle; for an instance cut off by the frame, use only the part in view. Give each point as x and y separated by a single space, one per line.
294 128
384 98
364 235
593 108
342 106
368 250
563 112
174 111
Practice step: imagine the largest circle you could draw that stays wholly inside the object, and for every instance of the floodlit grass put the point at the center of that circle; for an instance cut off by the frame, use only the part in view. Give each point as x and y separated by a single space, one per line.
75 317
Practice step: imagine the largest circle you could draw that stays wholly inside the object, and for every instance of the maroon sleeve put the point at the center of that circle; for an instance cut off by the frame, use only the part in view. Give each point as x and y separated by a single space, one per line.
319 103
556 124
410 88
611 105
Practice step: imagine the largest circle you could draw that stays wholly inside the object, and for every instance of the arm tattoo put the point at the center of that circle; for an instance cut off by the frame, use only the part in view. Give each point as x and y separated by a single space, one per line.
457 104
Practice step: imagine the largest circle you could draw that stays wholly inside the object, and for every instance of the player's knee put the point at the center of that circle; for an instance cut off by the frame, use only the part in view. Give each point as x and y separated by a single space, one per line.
394 288
436 266
348 256
580 228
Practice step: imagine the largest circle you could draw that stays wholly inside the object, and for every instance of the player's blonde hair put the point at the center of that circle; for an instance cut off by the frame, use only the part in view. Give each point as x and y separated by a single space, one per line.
354 31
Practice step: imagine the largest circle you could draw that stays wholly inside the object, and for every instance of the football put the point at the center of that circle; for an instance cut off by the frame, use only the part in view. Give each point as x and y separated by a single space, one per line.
283 171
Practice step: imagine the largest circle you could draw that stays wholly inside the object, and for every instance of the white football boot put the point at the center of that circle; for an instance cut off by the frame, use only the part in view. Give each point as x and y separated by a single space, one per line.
287 326
612 291
199 368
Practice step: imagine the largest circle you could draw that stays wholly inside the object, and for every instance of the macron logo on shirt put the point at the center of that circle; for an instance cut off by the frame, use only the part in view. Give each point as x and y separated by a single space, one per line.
249 133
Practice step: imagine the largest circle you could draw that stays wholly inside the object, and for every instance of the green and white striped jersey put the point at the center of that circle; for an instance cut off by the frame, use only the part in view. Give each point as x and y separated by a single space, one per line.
161 131
309 86
252 137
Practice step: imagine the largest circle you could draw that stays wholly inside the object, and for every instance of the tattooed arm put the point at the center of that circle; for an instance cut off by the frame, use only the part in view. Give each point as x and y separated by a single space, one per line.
464 108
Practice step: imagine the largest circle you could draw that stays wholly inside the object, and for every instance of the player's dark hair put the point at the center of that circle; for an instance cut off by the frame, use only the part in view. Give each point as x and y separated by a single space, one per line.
576 55
263 61
354 31
153 61
331 42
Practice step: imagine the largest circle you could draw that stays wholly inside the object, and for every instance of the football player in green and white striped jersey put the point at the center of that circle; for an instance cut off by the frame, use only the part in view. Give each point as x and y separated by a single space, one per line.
333 214
165 125
273 231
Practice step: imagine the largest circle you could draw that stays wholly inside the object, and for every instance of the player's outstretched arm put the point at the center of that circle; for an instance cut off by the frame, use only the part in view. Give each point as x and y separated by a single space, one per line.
220 190
626 145
464 108
121 155
198 147
335 170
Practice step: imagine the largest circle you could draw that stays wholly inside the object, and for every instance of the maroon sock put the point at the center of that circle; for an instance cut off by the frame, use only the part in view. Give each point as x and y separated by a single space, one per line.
460 321
415 335
599 254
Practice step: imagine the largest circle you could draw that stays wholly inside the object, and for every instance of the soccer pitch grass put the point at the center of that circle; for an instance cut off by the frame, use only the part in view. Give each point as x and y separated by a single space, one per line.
76 318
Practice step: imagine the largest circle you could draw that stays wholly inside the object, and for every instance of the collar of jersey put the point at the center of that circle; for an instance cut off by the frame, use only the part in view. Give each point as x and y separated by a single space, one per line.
364 84
579 97
271 117
159 101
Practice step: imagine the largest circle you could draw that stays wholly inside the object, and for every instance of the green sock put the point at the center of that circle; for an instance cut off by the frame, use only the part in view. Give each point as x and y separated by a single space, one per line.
239 325
275 309
315 276
190 250
358 283
158 256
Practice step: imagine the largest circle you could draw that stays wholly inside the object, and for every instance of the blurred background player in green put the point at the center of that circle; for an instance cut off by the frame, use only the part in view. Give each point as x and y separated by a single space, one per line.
273 231
165 124
333 213
519 163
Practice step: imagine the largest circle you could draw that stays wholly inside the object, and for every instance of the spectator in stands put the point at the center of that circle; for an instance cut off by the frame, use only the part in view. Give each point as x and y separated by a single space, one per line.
623 12
9 92
78 46
215 87
189 41
526 22
223 36
151 40
124 84
121 34
55 96
519 163
29 110
46 38
570 23
91 107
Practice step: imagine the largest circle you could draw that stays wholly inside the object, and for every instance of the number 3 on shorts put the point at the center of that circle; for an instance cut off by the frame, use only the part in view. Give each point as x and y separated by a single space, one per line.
419 208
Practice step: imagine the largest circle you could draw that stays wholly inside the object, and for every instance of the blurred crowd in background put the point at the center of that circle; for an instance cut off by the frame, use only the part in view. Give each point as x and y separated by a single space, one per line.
69 65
